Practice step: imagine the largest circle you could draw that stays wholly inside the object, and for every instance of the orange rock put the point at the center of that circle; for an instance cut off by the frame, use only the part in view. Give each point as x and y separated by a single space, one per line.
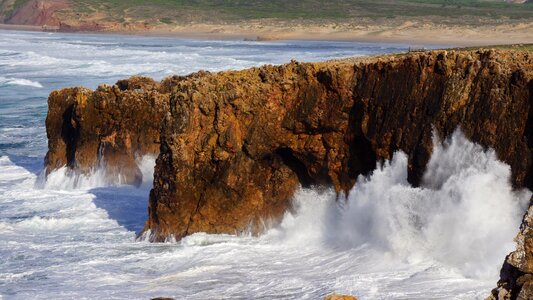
236 145
108 127
339 297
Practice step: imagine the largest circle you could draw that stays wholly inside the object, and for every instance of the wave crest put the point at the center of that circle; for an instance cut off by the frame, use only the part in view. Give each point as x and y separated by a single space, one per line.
19 81
464 215
65 178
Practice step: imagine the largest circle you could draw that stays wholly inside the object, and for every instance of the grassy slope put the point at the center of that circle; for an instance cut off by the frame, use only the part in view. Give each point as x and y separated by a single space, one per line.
7 7
346 11
185 11
519 47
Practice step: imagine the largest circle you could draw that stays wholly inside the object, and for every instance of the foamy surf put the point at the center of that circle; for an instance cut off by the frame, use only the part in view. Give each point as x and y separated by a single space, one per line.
82 241
463 216
76 238
65 178
20 81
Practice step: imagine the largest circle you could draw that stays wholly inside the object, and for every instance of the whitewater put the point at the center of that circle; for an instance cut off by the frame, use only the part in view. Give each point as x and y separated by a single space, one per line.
75 236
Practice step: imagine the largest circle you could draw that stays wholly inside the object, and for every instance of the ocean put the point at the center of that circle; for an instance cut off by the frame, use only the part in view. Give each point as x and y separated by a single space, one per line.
75 237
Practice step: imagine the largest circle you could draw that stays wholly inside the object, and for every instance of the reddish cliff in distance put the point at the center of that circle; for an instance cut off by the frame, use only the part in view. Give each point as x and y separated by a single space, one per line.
234 146
39 13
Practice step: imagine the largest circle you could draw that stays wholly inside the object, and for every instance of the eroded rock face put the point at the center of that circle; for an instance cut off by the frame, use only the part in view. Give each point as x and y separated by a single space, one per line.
39 13
339 297
236 145
516 275
109 127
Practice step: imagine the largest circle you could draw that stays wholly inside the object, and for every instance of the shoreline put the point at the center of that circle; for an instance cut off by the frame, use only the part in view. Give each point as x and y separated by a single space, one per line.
409 35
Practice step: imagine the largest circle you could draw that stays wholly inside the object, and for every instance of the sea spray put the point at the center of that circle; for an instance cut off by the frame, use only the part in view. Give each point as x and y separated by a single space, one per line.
464 215
65 178
65 244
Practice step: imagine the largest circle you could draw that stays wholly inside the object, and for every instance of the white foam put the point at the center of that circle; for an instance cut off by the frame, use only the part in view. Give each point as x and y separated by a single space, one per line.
389 240
65 178
76 238
111 59
464 215
146 164
20 81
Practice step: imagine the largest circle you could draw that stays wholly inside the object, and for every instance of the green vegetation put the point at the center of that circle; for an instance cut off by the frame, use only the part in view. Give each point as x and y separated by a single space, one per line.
519 47
168 11
7 7
19 3
347 11
165 20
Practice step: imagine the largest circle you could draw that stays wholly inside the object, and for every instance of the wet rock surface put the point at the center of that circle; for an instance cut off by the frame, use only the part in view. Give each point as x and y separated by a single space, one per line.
339 297
516 275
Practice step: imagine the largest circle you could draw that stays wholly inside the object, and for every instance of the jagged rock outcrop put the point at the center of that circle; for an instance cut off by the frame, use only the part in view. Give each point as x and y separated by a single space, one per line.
339 297
109 127
236 145
516 275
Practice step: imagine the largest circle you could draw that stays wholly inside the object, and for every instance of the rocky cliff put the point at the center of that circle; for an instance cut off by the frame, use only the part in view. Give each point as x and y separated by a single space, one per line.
109 127
234 146
37 12
516 275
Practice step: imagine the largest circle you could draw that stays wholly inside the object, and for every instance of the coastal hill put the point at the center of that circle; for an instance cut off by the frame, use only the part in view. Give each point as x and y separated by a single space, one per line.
477 22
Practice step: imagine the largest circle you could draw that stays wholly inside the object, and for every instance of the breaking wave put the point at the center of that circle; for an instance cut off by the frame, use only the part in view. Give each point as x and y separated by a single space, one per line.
77 237
65 178
464 215
19 81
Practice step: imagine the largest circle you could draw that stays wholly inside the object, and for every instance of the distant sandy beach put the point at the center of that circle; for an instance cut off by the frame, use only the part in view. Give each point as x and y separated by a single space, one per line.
408 32
413 33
